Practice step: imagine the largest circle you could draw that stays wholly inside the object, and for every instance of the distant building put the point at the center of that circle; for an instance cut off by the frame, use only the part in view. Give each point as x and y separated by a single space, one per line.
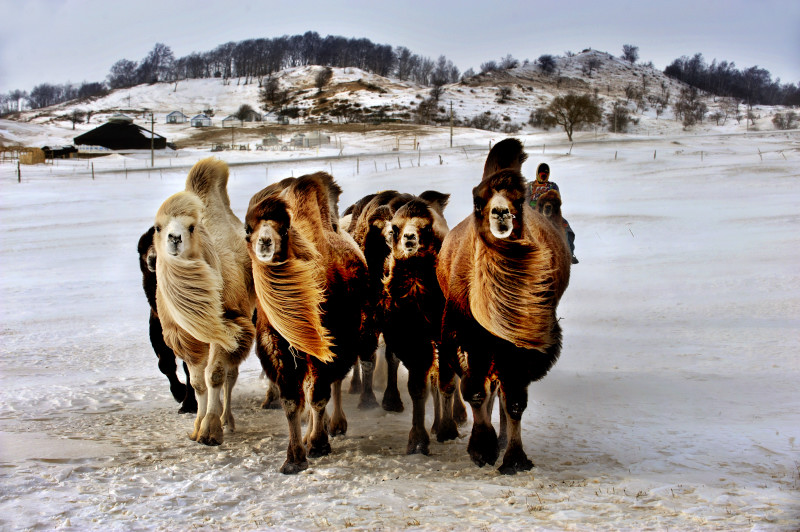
177 117
311 140
201 120
59 152
231 121
271 140
120 133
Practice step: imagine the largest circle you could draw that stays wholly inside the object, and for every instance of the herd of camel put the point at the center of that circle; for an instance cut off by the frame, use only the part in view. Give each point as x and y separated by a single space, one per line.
469 311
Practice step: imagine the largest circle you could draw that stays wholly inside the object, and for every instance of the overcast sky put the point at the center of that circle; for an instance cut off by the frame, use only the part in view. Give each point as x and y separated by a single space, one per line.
59 41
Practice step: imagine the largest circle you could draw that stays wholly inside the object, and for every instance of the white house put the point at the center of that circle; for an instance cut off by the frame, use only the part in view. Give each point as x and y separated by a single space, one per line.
176 117
201 120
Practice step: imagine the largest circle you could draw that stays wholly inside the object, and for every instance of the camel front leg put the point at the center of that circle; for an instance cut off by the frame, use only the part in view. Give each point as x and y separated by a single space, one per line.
319 445
515 460
338 422
418 438
391 397
482 447
198 379
296 460
215 376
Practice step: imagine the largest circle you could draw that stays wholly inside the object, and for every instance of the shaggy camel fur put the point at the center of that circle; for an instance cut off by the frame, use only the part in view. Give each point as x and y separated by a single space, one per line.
204 294
502 271
413 305
183 393
311 286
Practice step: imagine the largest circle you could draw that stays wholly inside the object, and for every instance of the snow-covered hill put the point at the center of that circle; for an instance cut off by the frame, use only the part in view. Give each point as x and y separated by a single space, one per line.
353 92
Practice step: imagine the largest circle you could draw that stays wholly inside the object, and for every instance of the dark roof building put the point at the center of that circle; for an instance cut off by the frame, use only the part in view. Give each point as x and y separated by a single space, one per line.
121 135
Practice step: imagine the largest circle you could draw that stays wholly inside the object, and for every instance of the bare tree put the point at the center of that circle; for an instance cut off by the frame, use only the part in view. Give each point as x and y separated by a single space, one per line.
591 64
547 63
322 78
630 53
574 111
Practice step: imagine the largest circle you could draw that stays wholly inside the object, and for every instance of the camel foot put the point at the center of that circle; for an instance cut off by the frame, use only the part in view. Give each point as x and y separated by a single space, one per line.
515 461
418 442
367 401
337 427
210 430
392 402
292 468
447 430
319 449
482 446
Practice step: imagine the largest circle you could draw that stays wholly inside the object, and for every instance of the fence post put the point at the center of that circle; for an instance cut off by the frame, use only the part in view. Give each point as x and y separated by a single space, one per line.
92 171
654 155
19 173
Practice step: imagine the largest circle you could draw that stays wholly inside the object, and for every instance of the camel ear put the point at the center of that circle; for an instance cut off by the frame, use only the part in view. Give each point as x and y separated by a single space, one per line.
479 203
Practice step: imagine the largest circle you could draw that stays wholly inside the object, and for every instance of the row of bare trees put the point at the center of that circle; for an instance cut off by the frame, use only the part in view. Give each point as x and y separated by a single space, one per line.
753 85
255 60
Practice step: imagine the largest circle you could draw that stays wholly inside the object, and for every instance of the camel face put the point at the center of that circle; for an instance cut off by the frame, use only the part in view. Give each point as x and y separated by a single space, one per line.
406 238
412 231
150 258
501 217
266 242
176 236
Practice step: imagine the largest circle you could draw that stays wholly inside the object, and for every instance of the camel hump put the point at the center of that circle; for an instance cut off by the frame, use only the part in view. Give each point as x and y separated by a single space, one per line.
209 178
508 153
316 196
437 200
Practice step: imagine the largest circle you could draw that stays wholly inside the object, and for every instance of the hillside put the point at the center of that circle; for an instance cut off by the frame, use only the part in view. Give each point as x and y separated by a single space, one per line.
355 96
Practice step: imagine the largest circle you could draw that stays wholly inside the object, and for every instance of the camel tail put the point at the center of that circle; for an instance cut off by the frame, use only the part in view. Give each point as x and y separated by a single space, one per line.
508 153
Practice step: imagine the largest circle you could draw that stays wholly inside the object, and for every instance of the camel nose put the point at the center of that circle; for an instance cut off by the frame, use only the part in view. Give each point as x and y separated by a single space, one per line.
175 239
266 242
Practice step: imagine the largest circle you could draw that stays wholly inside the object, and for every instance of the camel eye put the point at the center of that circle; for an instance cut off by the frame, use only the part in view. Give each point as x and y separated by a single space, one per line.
191 229
158 229
248 230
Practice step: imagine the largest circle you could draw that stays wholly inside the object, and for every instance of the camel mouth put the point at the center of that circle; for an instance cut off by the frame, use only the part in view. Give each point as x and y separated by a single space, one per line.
151 261
265 249
174 249
501 229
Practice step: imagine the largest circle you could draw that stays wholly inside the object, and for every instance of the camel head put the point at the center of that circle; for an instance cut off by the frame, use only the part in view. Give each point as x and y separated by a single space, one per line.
147 251
417 230
499 202
267 228
176 224
549 204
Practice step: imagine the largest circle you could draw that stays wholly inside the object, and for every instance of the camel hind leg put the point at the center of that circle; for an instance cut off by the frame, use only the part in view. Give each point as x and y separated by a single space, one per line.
338 421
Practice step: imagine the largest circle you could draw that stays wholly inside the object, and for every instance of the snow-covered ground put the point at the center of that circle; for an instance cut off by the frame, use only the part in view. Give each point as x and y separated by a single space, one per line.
675 404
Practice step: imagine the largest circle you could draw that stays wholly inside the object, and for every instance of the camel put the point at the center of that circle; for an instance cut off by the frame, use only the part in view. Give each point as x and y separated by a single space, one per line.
312 300
370 223
182 393
502 271
204 294
413 305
